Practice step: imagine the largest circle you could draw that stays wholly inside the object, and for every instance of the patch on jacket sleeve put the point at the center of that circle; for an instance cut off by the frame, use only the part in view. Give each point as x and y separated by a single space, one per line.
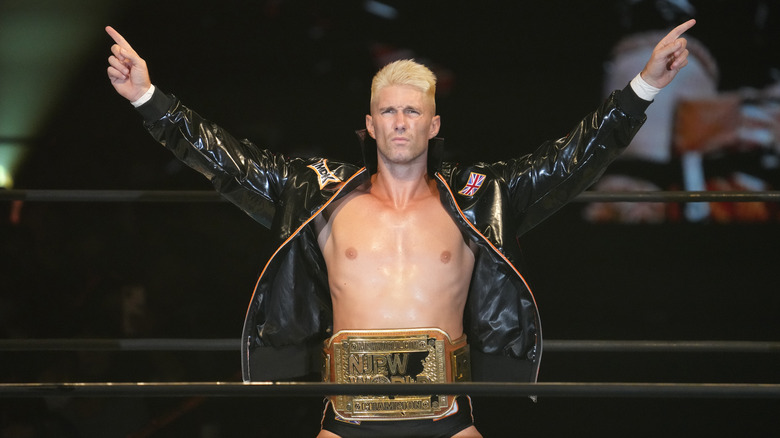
474 183
324 175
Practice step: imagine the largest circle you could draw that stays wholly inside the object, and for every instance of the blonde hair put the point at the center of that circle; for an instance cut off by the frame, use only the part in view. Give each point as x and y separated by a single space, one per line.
405 72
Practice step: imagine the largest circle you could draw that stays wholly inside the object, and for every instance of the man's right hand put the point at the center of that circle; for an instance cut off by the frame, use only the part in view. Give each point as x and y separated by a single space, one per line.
127 71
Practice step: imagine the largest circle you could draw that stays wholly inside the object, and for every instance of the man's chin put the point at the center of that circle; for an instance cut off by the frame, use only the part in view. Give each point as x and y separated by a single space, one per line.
402 160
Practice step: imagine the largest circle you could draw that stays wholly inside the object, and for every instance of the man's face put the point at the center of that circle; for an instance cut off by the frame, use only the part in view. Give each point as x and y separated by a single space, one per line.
402 121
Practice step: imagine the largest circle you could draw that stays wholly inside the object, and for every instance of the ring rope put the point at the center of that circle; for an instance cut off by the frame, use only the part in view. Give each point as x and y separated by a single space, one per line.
230 344
297 389
211 196
111 196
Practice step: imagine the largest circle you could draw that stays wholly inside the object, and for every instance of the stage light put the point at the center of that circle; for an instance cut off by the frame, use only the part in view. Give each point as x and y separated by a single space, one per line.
11 156
42 44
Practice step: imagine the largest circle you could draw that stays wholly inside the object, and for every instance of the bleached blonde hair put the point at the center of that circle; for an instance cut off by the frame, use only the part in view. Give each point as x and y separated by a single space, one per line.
405 72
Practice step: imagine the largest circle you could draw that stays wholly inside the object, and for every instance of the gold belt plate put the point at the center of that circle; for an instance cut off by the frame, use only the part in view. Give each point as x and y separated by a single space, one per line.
390 356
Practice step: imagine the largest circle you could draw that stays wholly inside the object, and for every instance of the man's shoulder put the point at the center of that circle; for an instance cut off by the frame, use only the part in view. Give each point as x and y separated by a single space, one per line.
325 166
454 170
329 175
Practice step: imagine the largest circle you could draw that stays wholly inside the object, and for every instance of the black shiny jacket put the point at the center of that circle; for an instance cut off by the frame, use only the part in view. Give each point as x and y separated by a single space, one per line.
290 315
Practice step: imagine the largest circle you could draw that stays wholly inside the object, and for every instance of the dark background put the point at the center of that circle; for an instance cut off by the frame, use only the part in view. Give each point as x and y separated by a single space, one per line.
295 76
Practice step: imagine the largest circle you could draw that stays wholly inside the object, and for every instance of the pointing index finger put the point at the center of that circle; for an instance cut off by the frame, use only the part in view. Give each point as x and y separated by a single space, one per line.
677 31
119 39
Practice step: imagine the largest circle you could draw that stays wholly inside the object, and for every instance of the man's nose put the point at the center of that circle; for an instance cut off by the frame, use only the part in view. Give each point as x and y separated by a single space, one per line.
400 122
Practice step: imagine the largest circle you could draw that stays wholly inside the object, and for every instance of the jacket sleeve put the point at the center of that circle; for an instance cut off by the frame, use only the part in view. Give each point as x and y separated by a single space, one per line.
250 177
540 183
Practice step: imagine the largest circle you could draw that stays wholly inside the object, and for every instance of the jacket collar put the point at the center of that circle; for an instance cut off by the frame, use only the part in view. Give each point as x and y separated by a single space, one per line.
368 150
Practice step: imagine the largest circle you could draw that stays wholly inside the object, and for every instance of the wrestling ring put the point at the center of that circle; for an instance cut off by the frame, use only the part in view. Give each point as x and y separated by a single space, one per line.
760 394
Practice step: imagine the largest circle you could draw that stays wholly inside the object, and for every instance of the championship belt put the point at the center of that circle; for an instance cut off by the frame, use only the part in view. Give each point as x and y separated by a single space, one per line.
394 356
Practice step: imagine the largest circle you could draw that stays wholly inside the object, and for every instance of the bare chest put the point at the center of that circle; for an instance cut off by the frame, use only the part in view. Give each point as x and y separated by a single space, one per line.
395 267
365 231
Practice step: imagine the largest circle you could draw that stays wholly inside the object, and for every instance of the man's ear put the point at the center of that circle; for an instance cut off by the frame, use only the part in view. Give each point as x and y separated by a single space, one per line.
435 126
370 126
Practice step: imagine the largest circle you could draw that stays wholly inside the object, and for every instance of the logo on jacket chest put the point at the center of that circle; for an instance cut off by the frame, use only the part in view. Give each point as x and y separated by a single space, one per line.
474 183
324 175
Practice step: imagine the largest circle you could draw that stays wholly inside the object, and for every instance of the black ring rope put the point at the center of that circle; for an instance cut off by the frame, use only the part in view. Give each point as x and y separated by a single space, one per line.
111 196
297 389
210 196
229 344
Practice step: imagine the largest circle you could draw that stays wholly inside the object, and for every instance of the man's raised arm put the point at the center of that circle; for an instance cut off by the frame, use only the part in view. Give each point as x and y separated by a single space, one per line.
127 71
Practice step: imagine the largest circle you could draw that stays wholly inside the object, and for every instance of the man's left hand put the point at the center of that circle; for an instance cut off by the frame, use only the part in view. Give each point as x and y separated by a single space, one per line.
668 58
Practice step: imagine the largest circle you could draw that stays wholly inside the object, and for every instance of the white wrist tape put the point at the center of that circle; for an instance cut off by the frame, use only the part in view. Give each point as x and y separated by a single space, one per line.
145 98
643 89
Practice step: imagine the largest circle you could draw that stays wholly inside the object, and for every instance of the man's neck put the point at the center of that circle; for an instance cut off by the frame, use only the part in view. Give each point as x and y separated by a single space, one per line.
401 190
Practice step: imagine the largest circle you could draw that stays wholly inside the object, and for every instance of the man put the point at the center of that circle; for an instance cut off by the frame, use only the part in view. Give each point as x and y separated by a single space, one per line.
394 263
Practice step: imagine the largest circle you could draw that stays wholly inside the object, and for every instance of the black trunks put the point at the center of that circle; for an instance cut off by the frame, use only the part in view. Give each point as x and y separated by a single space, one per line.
443 427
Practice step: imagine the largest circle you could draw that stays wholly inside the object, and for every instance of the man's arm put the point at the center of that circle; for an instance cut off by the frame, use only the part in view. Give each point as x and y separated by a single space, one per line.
559 170
250 177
